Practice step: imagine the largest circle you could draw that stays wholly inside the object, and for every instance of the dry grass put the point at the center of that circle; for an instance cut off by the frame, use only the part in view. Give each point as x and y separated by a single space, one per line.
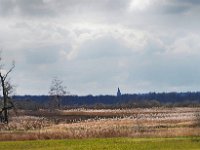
154 122
25 123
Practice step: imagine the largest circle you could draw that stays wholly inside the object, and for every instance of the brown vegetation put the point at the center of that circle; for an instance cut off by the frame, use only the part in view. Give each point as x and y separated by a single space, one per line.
82 123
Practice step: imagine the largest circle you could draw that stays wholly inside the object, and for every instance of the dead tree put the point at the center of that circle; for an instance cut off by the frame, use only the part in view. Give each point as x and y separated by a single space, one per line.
56 92
6 89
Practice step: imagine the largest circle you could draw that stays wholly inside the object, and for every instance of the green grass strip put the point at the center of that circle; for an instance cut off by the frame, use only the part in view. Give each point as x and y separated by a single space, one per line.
106 144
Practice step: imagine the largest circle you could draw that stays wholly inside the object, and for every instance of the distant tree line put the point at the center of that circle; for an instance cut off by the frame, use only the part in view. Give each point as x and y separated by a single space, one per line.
153 99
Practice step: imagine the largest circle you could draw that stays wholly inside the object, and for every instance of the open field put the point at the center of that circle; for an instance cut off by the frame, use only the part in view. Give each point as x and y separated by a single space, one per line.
82 123
106 144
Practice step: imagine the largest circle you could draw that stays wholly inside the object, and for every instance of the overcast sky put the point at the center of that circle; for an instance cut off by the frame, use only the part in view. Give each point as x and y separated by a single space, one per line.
94 46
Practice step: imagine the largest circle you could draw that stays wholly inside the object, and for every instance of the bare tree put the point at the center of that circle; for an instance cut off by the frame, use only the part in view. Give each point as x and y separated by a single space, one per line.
6 90
57 91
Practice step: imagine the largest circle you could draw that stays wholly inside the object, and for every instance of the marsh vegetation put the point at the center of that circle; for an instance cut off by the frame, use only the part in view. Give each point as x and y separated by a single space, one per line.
100 123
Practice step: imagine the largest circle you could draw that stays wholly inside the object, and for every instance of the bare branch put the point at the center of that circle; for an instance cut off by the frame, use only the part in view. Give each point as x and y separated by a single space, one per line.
7 89
57 91
1 64
13 66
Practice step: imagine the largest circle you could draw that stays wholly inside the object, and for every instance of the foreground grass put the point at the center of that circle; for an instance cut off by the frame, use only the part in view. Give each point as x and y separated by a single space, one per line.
106 143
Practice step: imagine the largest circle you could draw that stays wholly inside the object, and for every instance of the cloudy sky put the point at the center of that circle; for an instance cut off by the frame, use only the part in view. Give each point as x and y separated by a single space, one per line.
94 46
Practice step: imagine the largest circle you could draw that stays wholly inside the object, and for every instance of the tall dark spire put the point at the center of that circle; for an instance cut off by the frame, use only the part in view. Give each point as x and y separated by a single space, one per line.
118 92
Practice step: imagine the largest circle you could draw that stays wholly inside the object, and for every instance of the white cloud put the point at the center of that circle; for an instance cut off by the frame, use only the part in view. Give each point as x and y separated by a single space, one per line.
186 45
140 4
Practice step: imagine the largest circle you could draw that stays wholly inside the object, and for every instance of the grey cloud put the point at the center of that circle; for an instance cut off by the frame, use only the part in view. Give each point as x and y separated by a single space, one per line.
104 10
104 47
6 7
34 8
174 9
25 8
93 73
166 71
178 7
154 46
52 8
42 55
194 2
88 5
167 7
105 59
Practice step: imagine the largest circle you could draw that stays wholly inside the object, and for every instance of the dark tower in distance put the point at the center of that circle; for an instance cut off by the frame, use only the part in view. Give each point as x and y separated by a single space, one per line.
118 92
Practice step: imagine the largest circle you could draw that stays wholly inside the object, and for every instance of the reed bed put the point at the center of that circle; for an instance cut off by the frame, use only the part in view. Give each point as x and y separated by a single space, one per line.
155 122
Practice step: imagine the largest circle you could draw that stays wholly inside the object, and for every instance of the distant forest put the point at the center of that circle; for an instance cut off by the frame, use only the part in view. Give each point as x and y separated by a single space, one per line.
172 99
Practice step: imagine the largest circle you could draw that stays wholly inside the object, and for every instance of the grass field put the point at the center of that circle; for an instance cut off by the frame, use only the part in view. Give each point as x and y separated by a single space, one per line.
106 144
